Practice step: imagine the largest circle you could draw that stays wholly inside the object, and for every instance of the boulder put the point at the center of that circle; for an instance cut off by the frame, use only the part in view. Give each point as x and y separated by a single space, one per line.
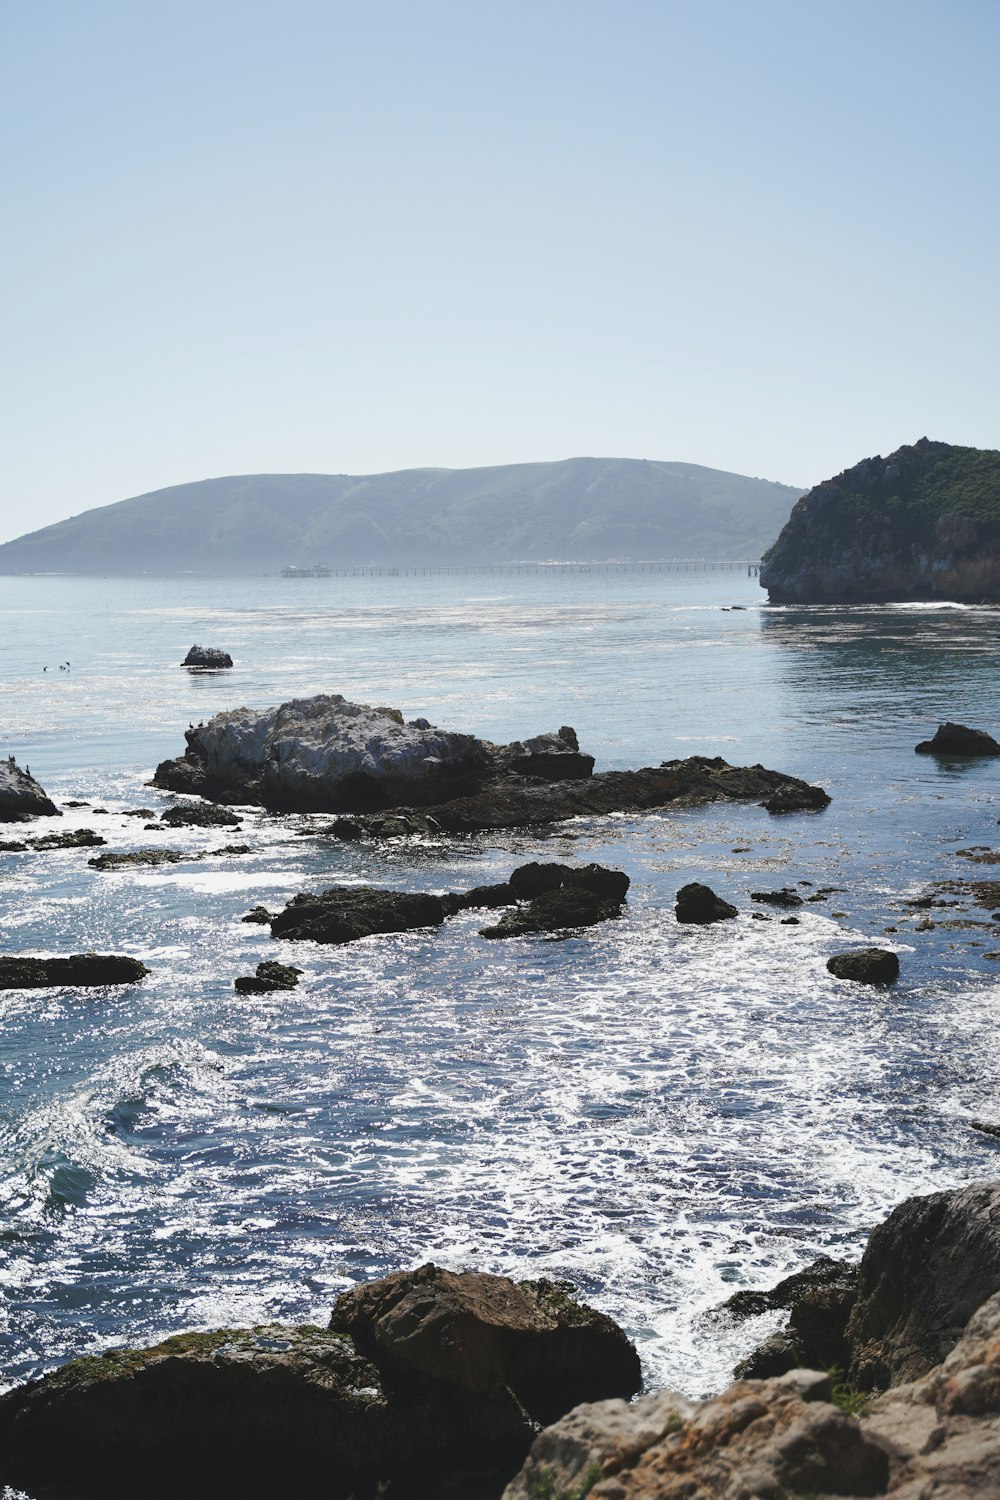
566 765
501 894
799 798
259 914
207 656
535 879
78 969
958 739
327 754
269 976
865 966
557 910
492 1337
199 815
21 797
820 1300
699 903
77 838
342 914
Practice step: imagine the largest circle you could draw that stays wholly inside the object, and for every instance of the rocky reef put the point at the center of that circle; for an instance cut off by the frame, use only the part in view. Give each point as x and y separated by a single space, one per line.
923 523
79 969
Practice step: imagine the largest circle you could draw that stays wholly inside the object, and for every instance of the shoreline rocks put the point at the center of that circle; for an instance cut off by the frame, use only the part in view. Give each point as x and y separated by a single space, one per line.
865 966
269 976
209 657
700 905
78 970
420 1375
21 796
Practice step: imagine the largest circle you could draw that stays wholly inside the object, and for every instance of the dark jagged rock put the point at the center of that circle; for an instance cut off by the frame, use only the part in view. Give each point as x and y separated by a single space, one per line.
792 799
492 1337
923 523
554 911
535 879
567 765
865 966
199 815
125 860
784 897
138 812
269 976
821 1273
207 656
258 914
444 1373
502 894
699 904
78 838
342 914
820 1300
21 796
925 1271
958 739
77 970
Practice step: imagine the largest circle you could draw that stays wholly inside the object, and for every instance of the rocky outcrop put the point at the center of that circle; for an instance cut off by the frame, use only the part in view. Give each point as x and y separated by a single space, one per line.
958 739
343 914
420 1375
269 976
699 904
511 802
207 656
865 966
325 754
127 859
77 838
560 897
21 797
923 523
785 897
79 969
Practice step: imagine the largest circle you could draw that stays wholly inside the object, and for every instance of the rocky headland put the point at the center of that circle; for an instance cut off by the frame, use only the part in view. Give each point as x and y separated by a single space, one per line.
21 796
923 523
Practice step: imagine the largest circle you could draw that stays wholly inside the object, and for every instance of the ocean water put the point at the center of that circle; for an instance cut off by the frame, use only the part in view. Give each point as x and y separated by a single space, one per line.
659 1114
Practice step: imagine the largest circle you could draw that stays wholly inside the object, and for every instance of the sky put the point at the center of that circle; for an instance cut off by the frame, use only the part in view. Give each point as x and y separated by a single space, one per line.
247 236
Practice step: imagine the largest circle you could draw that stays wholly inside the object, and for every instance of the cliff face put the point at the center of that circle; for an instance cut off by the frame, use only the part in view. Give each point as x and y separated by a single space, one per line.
923 523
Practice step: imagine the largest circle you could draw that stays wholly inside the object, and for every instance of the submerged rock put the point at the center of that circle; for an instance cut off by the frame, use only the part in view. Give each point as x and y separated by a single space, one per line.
784 897
698 903
21 796
958 739
269 976
865 966
801 798
199 815
79 969
124 860
78 838
421 1375
259 914
207 656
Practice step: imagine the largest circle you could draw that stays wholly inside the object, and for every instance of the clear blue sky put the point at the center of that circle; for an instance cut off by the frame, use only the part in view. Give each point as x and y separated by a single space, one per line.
266 235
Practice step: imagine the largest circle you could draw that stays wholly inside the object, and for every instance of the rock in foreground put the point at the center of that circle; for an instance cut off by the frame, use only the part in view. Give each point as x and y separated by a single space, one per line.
421 1375
207 656
561 897
268 977
865 966
343 914
958 739
21 797
78 969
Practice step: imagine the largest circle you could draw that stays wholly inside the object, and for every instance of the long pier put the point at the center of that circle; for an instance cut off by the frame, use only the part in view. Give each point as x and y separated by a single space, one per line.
501 570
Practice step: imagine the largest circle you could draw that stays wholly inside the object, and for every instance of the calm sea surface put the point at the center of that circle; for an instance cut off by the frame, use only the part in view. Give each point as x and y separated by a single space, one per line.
660 1114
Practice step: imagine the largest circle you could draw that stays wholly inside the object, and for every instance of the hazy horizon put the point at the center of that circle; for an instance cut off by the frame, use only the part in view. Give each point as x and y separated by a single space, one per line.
332 239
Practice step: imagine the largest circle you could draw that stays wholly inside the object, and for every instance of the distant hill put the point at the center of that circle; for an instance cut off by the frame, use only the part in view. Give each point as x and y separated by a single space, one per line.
578 509
923 523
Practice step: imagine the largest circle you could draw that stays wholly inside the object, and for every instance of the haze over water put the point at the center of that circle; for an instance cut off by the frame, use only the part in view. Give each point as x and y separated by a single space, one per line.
660 1114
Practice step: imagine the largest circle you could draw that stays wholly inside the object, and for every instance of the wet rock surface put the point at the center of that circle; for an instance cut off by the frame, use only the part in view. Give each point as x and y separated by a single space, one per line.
420 1375
124 860
199 815
958 739
865 966
79 838
342 914
558 910
21 796
78 969
207 656
269 976
699 904
785 897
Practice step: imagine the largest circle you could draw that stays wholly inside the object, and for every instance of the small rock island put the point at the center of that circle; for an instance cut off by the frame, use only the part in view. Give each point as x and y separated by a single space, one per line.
923 523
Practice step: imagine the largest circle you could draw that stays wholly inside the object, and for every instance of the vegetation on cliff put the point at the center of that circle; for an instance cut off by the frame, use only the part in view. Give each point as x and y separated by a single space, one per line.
922 523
